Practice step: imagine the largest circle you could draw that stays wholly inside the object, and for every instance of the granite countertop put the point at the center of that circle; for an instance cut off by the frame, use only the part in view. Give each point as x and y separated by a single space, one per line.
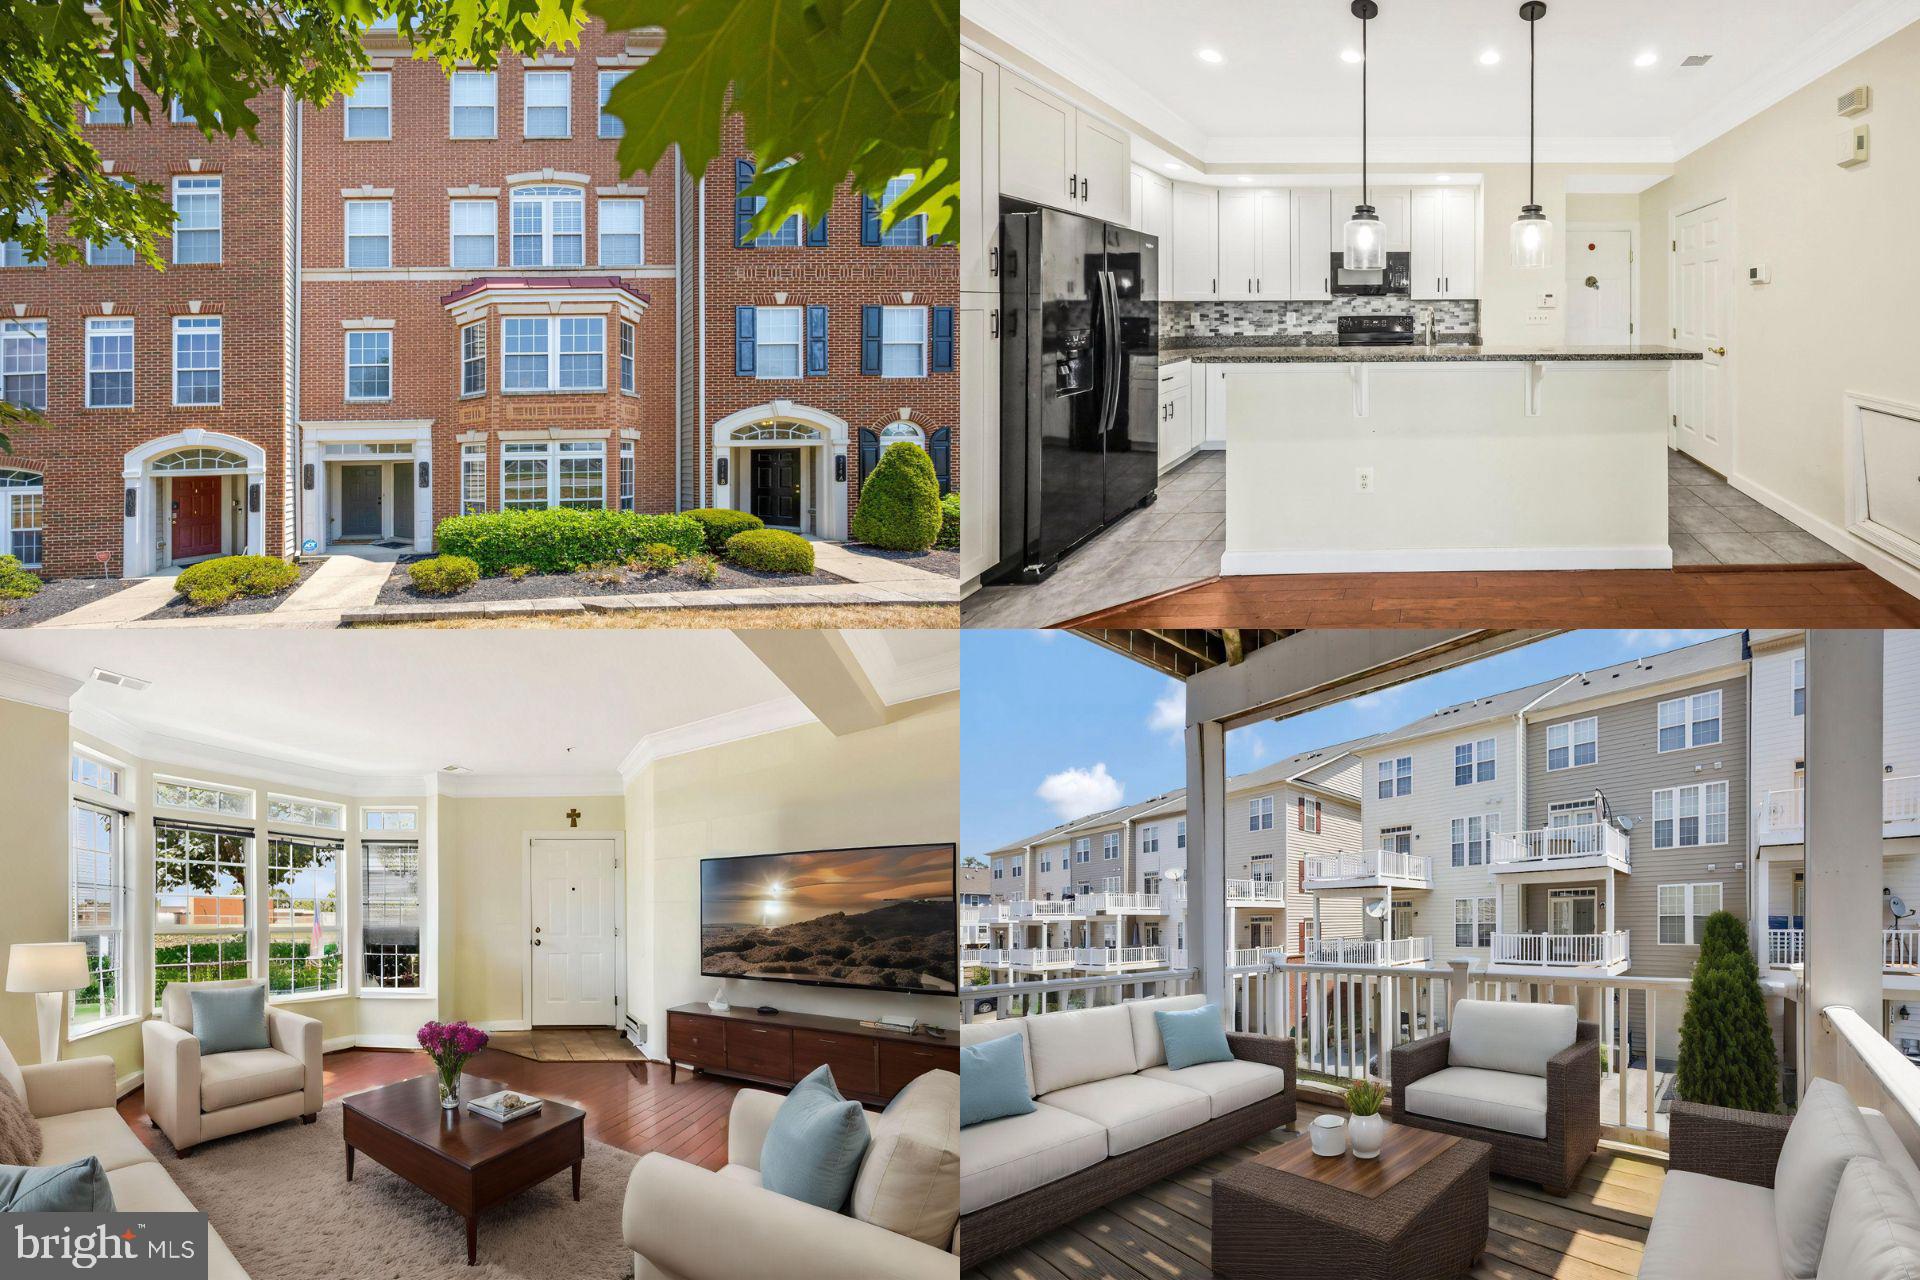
1320 353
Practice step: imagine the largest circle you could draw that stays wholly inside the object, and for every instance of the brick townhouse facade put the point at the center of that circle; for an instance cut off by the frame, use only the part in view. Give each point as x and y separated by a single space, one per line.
437 296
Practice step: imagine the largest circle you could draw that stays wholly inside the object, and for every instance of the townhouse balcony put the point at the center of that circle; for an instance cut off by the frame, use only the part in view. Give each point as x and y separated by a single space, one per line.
1585 846
1378 869
1783 819
1040 959
975 935
1045 909
1595 952
1899 949
1254 957
1122 904
992 957
1119 959
1369 951
1256 893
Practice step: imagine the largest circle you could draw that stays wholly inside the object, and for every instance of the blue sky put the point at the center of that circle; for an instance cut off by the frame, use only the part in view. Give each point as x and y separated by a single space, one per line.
1053 726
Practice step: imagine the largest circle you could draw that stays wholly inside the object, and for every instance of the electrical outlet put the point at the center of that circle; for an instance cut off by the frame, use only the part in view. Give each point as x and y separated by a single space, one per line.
1363 479
1539 317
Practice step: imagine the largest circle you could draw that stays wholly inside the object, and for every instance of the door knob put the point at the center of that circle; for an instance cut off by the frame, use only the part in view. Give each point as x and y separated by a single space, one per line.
1593 282
536 942
1719 351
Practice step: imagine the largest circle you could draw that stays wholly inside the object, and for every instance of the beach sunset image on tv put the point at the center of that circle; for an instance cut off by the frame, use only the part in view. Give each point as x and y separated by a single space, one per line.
881 918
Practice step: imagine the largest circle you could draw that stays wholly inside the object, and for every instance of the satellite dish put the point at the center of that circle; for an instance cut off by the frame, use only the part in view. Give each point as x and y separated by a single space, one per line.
1377 908
1898 905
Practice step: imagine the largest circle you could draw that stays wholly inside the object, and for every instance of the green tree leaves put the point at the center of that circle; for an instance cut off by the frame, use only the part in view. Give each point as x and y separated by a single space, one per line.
1727 1056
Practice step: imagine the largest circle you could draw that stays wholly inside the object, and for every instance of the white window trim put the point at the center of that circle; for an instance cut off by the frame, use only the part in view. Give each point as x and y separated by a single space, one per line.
799 345
1797 687
174 810
336 844
1653 828
460 361
1260 813
1489 827
600 230
599 99
1569 726
1473 923
493 79
113 323
384 835
527 104
453 232
1688 722
546 226
1475 760
173 370
554 453
279 824
219 228
347 109
1687 887
627 353
553 386
346 359
926 342
347 237
128 977
470 454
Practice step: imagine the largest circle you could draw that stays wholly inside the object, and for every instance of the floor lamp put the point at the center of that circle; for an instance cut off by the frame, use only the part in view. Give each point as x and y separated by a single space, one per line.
48 970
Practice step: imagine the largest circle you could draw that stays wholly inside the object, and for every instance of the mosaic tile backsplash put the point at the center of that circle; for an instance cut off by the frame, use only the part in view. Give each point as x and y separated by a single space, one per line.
1184 323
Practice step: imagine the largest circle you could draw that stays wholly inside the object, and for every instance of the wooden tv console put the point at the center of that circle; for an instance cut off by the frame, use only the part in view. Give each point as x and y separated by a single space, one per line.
869 1064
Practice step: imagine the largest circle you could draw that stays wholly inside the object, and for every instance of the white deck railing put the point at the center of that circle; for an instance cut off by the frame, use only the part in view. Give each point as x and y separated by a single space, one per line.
1874 1073
1784 810
1040 957
1256 891
1377 865
1547 847
1574 950
1369 951
1051 995
1786 946
1254 957
1899 948
1043 908
1118 957
1119 904
991 956
1900 800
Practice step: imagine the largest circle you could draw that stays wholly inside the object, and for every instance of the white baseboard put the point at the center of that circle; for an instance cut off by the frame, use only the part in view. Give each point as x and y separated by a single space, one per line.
1891 567
128 1083
1445 560
337 1043
506 1024
385 1040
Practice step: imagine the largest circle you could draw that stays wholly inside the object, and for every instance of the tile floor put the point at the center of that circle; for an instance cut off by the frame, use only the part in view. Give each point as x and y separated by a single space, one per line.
1178 540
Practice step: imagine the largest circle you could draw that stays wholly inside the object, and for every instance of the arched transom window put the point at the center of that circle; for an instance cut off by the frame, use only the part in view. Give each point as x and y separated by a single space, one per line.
549 226
199 460
776 431
900 430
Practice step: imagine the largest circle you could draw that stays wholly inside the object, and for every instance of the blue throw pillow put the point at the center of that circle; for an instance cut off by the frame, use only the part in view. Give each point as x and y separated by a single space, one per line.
1193 1036
229 1018
79 1187
813 1147
993 1079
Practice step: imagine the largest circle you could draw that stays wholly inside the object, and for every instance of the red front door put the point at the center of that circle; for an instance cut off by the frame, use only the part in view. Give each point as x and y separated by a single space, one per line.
196 516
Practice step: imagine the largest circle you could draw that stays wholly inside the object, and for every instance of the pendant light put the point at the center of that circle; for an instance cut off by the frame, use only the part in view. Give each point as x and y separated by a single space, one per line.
1363 245
1532 238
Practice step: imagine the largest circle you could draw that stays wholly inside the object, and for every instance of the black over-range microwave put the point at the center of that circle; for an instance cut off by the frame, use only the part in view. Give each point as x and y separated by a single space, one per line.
1397 278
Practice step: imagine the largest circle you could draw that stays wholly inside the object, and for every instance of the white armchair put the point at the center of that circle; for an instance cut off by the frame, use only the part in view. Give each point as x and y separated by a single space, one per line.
194 1097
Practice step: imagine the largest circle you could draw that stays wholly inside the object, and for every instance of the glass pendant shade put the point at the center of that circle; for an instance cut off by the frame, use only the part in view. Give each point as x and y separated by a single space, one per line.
1532 238
1364 244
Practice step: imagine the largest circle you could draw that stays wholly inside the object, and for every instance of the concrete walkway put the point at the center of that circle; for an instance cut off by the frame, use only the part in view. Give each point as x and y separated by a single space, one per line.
834 558
343 582
118 609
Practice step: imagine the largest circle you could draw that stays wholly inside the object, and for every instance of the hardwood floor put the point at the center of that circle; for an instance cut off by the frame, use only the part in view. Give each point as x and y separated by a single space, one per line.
1164 1232
629 1105
1702 596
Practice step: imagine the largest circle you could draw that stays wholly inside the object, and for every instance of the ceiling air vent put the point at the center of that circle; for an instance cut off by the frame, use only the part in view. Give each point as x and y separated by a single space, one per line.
134 683
454 768
1856 100
1696 60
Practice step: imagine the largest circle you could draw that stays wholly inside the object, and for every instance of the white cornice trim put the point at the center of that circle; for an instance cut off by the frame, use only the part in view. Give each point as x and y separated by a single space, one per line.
897 682
731 726
37 688
485 786
1333 150
237 758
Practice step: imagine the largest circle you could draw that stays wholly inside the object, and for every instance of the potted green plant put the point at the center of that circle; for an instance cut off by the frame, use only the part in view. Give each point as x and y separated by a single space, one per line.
1368 1127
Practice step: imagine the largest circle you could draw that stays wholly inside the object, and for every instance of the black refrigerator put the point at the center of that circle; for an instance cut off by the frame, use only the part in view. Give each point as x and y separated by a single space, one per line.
1079 382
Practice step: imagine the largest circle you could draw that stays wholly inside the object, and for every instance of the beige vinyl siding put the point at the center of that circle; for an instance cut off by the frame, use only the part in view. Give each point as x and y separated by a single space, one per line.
1341 915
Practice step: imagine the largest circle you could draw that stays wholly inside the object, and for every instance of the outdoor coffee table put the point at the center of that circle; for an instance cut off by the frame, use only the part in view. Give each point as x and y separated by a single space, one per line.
467 1162
1418 1210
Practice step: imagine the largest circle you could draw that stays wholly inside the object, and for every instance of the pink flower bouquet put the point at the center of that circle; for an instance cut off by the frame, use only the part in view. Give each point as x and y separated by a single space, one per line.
450 1044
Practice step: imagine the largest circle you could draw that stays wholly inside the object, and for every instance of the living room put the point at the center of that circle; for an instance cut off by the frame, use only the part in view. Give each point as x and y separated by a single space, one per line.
618 885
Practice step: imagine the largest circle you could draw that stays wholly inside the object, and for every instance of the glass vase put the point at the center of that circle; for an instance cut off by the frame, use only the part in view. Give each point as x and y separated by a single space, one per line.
450 1092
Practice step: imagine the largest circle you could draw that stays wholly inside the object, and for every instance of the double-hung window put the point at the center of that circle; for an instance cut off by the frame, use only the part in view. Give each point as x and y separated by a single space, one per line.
201 900
1683 911
1083 848
473 479
369 234
23 500
473 359
1180 834
196 359
1110 846
1260 814
1306 815
904 231
369 364
304 920
626 475
390 914
177 113
621 230
472 98
107 108
97 905
1575 743
111 253
549 110
23 363
1473 762
109 362
626 357
370 106
13 253
474 230
1473 922
1472 838
1799 686
611 126
549 227
537 474
1690 722
1395 778
1688 817
1149 840
779 334
903 342
554 353
196 220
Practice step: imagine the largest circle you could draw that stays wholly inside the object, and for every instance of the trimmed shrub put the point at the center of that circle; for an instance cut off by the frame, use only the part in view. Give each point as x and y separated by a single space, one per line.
949 539
722 524
701 567
15 582
562 539
659 557
899 501
212 583
771 551
443 575
1727 1056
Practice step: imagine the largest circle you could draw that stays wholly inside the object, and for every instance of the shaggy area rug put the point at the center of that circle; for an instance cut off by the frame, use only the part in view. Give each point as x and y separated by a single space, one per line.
280 1199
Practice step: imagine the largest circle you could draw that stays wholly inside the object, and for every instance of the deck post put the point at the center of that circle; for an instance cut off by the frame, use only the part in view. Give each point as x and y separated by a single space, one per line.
1458 986
1207 940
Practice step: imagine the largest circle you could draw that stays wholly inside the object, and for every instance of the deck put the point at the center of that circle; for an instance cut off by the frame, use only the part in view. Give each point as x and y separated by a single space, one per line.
1164 1232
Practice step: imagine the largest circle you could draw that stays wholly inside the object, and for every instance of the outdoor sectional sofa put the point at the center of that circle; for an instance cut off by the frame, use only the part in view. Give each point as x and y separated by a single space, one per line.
1109 1117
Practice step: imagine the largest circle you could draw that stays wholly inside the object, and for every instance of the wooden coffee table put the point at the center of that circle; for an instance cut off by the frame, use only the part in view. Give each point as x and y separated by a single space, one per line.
467 1162
1419 1210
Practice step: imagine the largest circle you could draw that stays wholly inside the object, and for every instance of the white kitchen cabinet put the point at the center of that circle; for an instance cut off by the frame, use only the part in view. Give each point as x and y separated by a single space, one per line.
1210 406
1196 239
1137 198
1256 244
1104 160
1391 203
1153 215
1312 243
1176 413
979 172
1445 242
1273 279
1053 153
979 433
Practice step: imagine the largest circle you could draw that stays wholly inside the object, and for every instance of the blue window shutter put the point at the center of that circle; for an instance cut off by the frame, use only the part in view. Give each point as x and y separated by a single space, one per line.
743 341
941 360
816 342
869 221
742 205
817 233
940 449
870 340
869 453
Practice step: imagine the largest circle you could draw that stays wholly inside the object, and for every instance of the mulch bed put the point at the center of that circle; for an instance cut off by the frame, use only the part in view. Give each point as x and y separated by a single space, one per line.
548 586
944 563
179 608
62 595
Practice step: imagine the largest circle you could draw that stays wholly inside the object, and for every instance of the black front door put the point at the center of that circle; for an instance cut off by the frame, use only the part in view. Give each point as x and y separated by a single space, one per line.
775 488
360 501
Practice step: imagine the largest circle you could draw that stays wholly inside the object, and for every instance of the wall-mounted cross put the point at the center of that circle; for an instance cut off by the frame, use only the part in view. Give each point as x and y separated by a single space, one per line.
573 817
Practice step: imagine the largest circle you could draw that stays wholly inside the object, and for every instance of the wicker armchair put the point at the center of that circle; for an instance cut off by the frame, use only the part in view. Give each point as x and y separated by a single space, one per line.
1573 1111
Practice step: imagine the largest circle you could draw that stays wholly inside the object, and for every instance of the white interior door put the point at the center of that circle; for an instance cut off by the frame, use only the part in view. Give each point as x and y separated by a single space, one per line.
1702 287
575 950
1600 288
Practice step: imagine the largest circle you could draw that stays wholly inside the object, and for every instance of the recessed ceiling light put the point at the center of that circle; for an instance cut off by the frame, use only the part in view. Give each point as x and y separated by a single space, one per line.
1213 56
1349 55
1646 59
1490 57
1173 166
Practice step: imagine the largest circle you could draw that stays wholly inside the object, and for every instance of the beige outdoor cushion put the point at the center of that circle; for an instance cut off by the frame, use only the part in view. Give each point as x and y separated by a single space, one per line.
99 1132
1134 1110
999 1159
1229 1086
1074 1048
1893 1153
1706 1228
1497 1035
1502 1100
248 1075
1148 1049
981 1032
909 1180
1874 1233
1825 1134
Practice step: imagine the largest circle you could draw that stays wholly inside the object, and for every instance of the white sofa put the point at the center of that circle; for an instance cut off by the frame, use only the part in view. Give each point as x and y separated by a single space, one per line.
194 1097
1109 1116
684 1222
1828 1194
74 1103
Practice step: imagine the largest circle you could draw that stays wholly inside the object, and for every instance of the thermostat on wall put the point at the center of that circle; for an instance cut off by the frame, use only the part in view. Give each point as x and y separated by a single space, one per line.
1760 273
1852 146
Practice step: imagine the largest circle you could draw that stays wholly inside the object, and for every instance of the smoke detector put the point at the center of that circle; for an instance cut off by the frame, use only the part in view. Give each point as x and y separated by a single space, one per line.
134 683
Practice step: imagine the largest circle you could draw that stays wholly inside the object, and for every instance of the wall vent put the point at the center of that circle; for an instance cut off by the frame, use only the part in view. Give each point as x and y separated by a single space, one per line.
1696 60
1856 100
134 683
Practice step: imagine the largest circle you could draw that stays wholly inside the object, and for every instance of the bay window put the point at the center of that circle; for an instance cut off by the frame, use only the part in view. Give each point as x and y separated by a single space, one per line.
626 475
97 905
554 353
303 916
390 915
201 903
537 474
473 479
626 357
473 359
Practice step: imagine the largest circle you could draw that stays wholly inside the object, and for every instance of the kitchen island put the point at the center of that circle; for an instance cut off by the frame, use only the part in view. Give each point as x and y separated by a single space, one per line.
1410 458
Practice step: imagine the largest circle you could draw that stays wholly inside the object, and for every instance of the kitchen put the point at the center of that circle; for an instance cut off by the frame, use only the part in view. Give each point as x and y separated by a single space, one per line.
1529 363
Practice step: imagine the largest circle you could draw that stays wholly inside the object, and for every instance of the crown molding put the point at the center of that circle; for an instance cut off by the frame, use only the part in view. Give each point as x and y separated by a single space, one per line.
37 688
1341 150
238 758
499 786
931 674
731 726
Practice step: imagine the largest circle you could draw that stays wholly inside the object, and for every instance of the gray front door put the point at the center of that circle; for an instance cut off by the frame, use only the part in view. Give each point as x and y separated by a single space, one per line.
360 501
403 501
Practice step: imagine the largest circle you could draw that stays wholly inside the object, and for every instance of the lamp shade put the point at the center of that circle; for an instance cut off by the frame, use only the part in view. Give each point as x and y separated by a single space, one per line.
1363 245
1532 238
47 966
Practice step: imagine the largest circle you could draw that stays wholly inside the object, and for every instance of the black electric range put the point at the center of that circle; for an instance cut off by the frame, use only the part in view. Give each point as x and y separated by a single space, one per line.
1376 331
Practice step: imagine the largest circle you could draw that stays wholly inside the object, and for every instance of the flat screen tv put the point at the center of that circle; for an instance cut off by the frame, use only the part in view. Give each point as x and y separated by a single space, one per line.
881 918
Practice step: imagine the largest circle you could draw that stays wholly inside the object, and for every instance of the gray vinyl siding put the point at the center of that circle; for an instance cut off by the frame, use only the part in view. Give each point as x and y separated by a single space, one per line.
1630 768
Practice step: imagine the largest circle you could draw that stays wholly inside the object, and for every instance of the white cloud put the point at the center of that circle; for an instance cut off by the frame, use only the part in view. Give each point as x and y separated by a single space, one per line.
1075 793
1257 750
1169 714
